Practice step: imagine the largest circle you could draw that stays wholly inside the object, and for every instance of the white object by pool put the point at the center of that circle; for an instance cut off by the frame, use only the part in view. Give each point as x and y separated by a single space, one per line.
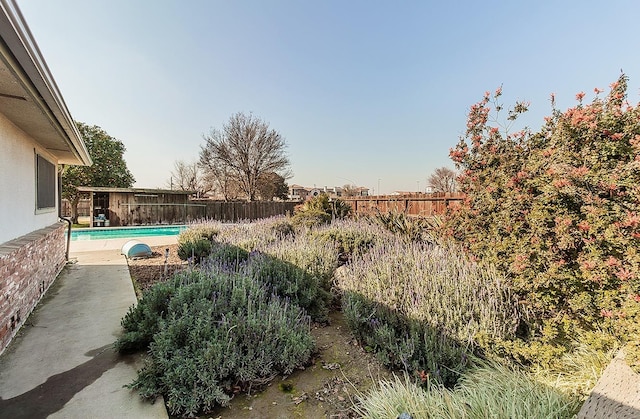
136 249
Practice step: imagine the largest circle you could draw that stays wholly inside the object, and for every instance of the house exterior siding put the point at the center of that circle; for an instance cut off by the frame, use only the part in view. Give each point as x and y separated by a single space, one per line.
37 134
18 183
28 267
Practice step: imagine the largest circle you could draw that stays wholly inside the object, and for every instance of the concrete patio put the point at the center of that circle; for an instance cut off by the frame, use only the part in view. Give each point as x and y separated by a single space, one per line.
61 364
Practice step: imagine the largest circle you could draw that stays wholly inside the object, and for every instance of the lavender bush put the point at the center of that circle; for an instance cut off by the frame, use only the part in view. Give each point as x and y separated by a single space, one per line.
423 307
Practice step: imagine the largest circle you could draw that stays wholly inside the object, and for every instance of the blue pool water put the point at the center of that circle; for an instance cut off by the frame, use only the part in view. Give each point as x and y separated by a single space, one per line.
125 232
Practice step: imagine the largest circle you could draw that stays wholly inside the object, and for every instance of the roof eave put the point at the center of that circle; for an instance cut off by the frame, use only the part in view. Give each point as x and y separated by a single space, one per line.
21 54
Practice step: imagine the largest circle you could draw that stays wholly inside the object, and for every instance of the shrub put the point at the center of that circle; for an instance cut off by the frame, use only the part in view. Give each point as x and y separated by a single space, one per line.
312 256
201 230
558 212
349 237
226 255
416 228
296 267
340 208
320 210
289 281
195 241
282 228
403 343
142 321
221 333
310 218
255 235
299 268
422 307
197 249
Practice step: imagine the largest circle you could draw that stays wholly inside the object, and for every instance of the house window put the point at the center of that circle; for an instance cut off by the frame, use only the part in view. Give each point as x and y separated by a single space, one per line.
45 183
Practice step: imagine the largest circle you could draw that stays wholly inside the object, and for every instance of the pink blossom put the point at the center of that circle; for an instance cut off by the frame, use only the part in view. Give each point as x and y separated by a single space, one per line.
606 313
624 274
612 261
580 171
560 183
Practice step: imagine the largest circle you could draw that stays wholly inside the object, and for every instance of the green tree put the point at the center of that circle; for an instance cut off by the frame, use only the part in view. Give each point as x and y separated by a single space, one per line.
350 190
108 169
244 150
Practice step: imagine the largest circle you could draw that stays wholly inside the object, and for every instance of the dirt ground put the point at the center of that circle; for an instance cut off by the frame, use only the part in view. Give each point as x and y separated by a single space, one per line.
340 371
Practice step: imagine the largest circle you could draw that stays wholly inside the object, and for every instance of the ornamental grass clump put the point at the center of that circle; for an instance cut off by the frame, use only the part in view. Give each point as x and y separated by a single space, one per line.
424 308
485 391
218 334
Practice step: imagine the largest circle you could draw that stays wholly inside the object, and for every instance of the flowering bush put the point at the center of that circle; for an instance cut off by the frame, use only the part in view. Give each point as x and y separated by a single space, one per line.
557 210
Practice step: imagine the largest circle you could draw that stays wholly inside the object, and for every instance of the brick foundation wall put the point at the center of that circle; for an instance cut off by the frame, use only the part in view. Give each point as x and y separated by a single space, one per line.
28 266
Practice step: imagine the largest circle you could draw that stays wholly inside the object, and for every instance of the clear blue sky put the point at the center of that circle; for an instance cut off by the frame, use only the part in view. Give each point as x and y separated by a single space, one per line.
360 90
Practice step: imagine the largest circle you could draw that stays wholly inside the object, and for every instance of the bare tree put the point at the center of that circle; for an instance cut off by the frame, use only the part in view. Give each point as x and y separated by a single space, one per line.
271 185
349 190
244 150
224 182
443 179
189 177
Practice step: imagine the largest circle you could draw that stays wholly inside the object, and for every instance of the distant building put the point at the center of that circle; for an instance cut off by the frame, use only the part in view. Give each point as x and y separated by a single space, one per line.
362 191
300 193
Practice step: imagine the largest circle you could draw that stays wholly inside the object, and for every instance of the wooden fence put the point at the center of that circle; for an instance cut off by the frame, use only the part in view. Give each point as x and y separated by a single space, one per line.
84 208
411 204
236 211
193 210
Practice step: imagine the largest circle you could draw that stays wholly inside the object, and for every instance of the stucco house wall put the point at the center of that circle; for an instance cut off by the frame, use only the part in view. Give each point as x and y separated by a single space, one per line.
18 183
37 134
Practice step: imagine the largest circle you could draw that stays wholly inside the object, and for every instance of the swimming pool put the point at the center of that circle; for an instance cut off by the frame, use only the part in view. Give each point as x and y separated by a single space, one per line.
125 232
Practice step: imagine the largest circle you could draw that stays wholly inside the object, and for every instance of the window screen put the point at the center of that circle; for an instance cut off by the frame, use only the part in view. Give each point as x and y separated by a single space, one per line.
45 183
